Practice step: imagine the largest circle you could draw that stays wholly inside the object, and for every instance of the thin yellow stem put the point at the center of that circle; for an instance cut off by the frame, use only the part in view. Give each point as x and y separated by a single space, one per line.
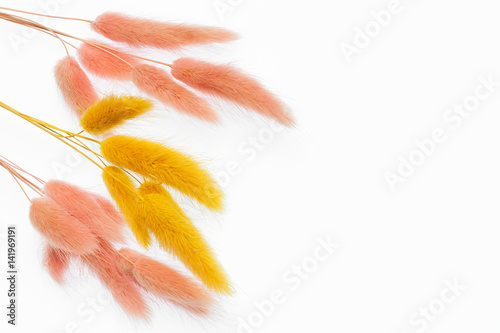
82 144
131 175
52 130
60 138
79 143
42 123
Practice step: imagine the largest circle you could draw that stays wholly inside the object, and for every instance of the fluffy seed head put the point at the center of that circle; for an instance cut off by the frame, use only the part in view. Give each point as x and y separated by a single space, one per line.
109 63
138 32
105 264
176 234
159 84
231 84
56 261
155 161
126 263
75 86
124 192
109 208
167 283
61 229
112 111
82 206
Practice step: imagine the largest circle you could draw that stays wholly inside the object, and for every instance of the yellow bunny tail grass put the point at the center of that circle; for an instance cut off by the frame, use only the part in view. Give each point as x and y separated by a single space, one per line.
112 111
168 166
176 234
123 190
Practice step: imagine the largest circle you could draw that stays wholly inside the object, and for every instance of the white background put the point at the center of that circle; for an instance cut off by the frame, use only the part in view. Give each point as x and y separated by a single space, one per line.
324 179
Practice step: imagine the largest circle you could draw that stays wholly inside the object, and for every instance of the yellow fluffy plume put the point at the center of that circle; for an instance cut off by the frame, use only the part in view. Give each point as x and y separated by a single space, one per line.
155 161
152 210
112 111
176 234
124 192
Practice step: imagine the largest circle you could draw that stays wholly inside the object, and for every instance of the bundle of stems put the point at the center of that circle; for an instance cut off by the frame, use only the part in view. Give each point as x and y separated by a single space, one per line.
149 209
85 228
139 174
179 89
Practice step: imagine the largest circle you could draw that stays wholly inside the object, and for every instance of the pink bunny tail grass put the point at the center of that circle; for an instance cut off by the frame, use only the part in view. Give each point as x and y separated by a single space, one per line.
230 83
167 283
57 262
109 208
138 32
127 257
109 63
82 205
105 264
159 84
61 229
75 86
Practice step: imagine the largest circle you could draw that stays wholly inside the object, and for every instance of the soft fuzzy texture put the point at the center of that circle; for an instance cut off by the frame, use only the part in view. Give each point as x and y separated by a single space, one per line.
230 83
166 282
155 161
124 192
75 86
152 210
83 207
126 263
109 208
138 32
61 229
105 264
56 261
159 84
176 234
112 111
109 63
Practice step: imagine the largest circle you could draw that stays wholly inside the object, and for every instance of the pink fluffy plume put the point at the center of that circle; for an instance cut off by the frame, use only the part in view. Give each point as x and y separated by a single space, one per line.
61 229
83 206
105 61
109 208
75 86
159 84
138 32
104 263
57 262
231 84
165 282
